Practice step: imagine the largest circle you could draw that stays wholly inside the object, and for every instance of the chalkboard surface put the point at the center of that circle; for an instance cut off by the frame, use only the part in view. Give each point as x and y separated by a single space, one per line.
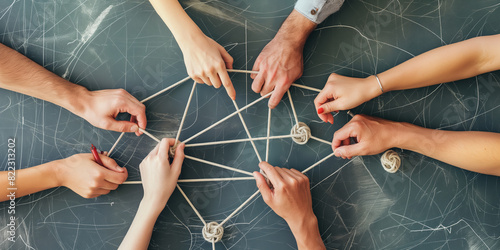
124 44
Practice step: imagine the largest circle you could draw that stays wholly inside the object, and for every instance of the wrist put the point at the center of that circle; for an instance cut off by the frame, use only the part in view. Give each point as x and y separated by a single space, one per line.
373 87
57 173
406 135
188 40
306 232
295 30
78 99
151 206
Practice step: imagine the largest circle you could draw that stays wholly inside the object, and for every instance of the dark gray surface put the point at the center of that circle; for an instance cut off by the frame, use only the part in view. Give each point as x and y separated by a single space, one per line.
426 205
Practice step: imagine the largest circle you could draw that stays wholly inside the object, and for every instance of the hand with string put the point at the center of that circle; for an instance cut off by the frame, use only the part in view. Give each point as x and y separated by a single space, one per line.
344 93
206 62
159 179
101 107
290 198
85 177
373 136
281 61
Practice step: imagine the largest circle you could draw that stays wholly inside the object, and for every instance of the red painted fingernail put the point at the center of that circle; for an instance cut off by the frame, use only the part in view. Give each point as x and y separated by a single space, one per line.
320 111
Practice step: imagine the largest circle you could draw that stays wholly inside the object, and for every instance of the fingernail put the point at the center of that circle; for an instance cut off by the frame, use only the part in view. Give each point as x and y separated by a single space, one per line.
133 128
320 111
119 168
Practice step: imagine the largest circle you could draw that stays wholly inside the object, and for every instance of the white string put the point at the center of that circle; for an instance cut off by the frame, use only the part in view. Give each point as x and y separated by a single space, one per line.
202 180
212 232
238 140
165 89
248 132
150 135
215 231
301 133
218 165
293 107
242 71
391 161
172 149
268 133
306 87
191 204
320 140
317 163
116 143
227 117
239 208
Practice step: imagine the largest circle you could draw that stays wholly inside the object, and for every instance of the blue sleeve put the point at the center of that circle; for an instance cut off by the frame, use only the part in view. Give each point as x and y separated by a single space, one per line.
318 10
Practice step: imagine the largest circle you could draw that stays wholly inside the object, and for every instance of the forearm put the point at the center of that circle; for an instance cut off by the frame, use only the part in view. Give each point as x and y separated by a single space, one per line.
473 151
18 73
29 180
306 233
448 63
139 233
180 24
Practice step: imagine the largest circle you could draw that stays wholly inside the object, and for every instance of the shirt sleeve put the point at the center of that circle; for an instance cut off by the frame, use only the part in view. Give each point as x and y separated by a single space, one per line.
318 10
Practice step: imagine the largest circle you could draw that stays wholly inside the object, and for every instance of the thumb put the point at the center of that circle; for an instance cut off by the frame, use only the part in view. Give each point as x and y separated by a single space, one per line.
121 126
263 187
349 151
111 164
332 106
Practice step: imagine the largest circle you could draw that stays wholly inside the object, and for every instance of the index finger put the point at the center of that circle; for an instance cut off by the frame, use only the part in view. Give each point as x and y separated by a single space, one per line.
276 96
271 172
138 110
226 82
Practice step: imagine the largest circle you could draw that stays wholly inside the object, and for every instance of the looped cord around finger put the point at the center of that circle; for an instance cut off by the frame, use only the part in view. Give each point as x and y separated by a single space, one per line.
390 161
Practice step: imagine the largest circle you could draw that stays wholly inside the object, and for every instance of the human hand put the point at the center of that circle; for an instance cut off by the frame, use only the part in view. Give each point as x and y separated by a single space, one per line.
373 135
85 177
102 106
343 93
279 65
159 177
206 62
291 199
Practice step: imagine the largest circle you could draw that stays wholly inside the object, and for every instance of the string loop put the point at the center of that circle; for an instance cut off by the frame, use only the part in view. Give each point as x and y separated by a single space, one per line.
212 232
391 161
301 133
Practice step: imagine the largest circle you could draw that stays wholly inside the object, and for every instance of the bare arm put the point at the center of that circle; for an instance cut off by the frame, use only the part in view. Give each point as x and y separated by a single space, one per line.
206 61
159 179
18 73
448 63
79 172
473 151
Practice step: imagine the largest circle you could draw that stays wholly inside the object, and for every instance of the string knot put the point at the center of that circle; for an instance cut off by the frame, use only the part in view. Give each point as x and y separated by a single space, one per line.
212 232
390 161
301 133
